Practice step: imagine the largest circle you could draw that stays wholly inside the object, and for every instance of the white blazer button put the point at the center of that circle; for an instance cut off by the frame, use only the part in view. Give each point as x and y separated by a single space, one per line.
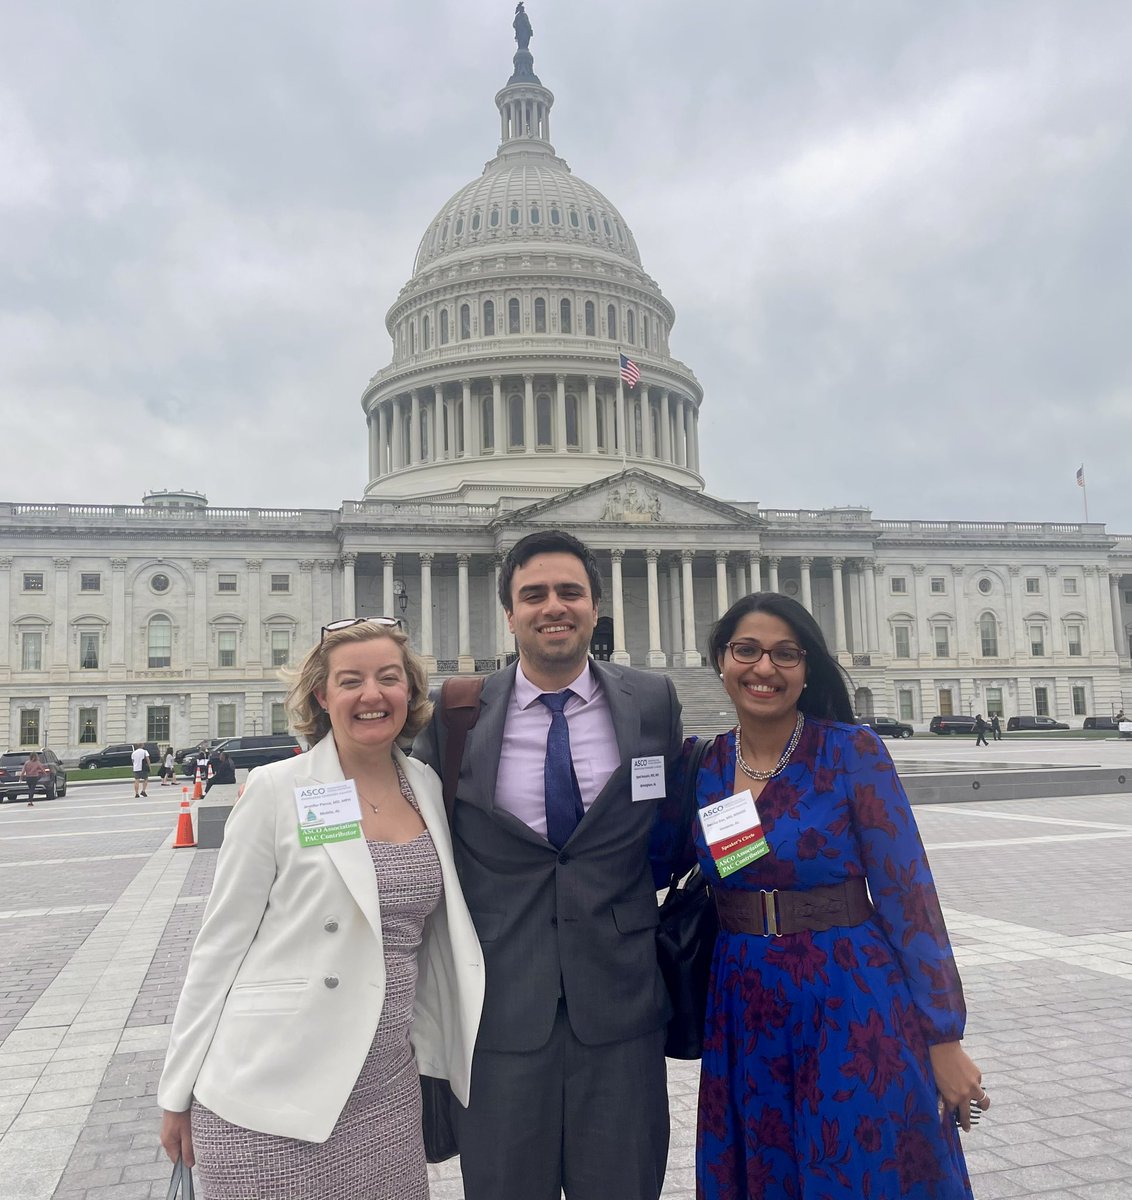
331 926
331 981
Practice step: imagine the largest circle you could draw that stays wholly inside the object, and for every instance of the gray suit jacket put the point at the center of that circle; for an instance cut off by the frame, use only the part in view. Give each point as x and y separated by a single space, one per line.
580 923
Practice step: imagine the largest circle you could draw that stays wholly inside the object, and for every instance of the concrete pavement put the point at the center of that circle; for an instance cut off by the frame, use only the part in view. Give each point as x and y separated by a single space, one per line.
97 915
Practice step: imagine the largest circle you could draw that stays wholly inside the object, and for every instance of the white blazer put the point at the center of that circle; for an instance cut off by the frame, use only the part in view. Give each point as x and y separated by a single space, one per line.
286 981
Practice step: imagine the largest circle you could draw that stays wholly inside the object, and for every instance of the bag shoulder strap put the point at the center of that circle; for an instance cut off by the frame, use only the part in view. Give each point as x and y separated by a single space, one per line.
459 710
691 779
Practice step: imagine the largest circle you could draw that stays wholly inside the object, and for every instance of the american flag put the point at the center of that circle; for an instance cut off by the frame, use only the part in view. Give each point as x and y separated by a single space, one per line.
630 372
1080 469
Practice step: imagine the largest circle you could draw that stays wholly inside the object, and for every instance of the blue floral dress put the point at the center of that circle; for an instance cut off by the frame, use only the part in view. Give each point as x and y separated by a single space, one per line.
816 1081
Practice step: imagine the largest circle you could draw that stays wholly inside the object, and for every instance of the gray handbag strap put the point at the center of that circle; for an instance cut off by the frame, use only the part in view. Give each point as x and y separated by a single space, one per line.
181 1182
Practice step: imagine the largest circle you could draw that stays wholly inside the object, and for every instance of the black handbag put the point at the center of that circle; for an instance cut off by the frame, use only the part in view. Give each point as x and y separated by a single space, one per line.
436 1119
685 940
181 1182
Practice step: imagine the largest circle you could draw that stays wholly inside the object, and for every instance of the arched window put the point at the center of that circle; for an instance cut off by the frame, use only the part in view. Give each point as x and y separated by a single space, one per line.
644 331
487 423
444 327
988 636
534 214
591 222
574 222
555 215
476 221
494 218
412 338
488 318
590 319
444 231
159 642
543 421
564 316
631 327
606 227
540 315
572 439
465 321
514 215
426 333
513 325
611 323
515 422
459 224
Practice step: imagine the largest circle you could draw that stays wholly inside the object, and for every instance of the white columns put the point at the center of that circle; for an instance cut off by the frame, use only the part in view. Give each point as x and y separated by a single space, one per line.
591 415
371 444
1055 638
772 562
807 584
1114 624
559 432
690 434
466 385
200 611
647 443
530 429
690 656
398 435
675 609
427 652
620 655
349 584
499 425
741 588
504 639
665 428
840 646
436 441
756 573
467 662
415 427
388 600
382 441
681 428
307 624
872 634
963 649
656 656
721 604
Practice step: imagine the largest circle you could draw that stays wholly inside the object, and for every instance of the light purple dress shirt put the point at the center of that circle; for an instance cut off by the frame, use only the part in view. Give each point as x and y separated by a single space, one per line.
593 747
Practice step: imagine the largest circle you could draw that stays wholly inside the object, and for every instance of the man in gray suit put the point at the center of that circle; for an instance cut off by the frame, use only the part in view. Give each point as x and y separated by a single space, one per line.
551 828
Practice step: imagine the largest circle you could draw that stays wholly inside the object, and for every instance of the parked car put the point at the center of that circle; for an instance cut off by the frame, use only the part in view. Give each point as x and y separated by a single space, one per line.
179 756
1101 723
888 727
1034 723
12 763
117 754
951 723
252 751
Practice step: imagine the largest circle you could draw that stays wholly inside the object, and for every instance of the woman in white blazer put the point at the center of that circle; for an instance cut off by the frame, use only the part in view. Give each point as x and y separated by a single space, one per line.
290 1070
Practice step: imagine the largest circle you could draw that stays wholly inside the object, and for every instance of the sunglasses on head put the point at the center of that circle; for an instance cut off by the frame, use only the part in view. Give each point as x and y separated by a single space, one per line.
350 622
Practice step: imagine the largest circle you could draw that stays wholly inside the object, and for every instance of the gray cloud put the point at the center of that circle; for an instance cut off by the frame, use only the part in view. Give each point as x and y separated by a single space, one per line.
894 235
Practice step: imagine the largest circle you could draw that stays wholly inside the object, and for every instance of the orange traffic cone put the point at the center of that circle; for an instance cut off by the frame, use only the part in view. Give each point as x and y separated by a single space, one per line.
184 838
198 789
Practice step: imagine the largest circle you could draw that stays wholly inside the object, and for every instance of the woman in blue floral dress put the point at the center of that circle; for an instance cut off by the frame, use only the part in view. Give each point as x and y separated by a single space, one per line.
832 1066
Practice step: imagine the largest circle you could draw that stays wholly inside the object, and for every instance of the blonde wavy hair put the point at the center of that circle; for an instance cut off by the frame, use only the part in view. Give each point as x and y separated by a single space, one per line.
310 719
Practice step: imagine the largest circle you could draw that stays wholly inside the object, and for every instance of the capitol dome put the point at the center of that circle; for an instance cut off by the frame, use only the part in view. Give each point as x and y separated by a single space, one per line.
506 377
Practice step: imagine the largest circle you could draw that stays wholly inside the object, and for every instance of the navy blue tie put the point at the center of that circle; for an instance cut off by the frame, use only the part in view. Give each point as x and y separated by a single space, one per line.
563 796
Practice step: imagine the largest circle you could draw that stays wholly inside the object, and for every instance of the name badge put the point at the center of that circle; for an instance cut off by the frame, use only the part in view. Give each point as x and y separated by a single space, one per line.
648 778
733 833
328 812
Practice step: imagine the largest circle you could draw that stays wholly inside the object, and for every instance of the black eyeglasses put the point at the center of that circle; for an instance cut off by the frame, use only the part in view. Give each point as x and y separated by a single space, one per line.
752 652
350 622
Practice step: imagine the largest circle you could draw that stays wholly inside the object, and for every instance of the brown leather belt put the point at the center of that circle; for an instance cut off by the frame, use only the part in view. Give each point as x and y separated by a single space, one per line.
770 914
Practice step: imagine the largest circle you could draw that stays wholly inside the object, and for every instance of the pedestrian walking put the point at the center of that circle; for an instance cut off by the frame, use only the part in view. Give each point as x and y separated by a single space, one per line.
32 774
996 727
980 730
168 768
139 760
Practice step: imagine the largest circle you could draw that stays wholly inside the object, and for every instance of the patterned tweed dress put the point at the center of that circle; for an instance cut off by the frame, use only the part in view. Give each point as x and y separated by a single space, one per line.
375 1151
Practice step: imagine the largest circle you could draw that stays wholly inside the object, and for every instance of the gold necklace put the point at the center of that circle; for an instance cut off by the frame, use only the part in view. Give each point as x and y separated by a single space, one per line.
780 766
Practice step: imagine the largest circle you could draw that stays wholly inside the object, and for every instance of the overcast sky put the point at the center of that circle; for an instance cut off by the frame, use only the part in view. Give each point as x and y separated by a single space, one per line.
896 235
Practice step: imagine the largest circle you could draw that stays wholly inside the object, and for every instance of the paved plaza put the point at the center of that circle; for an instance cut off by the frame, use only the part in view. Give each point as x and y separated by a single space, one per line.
98 913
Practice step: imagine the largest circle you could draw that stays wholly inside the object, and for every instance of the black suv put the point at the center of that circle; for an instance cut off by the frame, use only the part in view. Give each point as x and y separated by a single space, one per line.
117 754
252 751
12 763
952 723
189 753
1101 723
888 727
1035 723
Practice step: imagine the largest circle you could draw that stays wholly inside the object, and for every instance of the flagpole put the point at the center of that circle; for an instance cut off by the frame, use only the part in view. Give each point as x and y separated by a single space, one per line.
622 423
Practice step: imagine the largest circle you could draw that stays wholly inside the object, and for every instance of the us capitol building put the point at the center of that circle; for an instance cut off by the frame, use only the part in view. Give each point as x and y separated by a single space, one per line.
503 411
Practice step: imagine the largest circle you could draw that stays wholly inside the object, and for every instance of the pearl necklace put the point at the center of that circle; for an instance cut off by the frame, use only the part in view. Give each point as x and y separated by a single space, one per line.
779 766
